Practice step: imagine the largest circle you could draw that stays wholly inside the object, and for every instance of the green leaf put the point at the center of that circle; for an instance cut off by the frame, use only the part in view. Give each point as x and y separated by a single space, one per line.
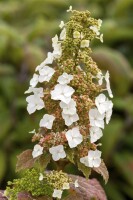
85 170
70 155
74 195
102 169
25 160
44 160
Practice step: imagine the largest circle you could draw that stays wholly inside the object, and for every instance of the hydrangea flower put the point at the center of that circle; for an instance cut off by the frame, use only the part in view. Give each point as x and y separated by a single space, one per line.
47 121
96 119
62 92
95 29
108 84
100 102
101 38
66 186
37 91
37 151
70 9
100 77
85 43
99 23
95 134
41 177
74 137
54 40
63 34
34 103
57 47
72 62
33 131
103 104
34 80
69 119
76 34
65 78
94 158
57 152
45 74
76 184
70 108
50 58
57 193
61 24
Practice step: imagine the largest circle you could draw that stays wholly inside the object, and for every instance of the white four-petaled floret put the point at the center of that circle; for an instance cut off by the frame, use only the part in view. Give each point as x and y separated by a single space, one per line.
47 121
57 152
74 137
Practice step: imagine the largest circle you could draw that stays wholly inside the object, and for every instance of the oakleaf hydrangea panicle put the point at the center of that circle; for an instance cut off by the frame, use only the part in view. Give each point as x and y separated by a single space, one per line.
74 94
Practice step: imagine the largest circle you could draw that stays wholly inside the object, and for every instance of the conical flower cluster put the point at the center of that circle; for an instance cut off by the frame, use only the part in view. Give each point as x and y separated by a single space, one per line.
73 93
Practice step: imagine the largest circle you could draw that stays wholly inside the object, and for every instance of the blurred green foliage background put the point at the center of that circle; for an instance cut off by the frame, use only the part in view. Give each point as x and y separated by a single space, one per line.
26 28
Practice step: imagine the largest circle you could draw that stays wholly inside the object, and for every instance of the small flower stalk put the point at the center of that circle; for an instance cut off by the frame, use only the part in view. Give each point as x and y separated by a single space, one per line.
68 86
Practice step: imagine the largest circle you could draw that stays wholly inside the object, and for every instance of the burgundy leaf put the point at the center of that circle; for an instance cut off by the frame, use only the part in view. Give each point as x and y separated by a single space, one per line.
27 196
89 189
103 171
25 160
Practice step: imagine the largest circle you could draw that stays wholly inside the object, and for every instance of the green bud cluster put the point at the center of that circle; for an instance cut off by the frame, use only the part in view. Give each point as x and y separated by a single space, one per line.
57 178
29 183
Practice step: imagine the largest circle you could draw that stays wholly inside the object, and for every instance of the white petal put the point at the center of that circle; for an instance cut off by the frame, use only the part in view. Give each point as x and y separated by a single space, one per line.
108 116
97 162
57 152
91 154
108 84
95 134
31 108
34 80
41 177
90 163
68 91
76 34
61 24
50 58
70 108
85 43
66 186
55 157
74 137
76 183
62 154
70 9
63 34
99 123
65 78
37 151
57 194
85 161
47 121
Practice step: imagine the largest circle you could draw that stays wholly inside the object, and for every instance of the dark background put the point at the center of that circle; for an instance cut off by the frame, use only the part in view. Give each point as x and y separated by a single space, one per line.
26 29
